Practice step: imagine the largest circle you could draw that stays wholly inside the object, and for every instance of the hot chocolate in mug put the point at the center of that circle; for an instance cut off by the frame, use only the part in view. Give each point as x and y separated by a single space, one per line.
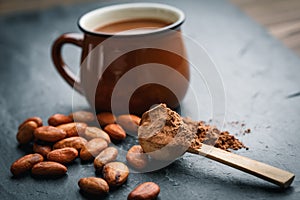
133 57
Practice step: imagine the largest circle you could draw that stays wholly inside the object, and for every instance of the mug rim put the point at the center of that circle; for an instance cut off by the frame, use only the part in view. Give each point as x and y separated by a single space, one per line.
171 26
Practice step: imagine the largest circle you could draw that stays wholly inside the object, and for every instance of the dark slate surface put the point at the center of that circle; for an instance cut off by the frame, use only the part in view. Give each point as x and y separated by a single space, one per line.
258 73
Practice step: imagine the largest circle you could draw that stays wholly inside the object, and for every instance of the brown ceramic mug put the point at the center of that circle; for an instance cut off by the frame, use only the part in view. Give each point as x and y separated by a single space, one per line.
128 71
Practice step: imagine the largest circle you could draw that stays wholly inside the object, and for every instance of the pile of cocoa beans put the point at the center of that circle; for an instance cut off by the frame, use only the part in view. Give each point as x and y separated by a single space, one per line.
67 137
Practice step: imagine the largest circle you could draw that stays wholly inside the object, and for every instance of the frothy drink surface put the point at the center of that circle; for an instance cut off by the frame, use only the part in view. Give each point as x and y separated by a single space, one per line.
132 26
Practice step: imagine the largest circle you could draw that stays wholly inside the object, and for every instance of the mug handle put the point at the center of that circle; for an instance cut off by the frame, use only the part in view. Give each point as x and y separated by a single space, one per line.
63 69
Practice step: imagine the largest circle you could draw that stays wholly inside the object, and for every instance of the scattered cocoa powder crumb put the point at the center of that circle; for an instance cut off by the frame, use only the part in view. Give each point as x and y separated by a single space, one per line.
247 130
212 136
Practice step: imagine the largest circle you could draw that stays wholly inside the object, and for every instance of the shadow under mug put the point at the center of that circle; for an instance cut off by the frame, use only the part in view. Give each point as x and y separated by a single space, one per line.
128 72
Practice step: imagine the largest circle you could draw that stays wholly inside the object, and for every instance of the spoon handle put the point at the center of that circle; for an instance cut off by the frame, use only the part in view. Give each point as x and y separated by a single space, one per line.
261 170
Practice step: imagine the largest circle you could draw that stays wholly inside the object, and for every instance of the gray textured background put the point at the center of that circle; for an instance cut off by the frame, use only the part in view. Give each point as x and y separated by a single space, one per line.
258 73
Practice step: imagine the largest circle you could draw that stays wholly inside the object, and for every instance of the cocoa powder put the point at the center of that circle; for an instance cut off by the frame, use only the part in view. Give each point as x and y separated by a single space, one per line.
211 135
165 130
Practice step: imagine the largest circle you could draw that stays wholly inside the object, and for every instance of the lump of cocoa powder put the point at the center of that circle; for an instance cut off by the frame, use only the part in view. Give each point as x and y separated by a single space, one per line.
163 134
